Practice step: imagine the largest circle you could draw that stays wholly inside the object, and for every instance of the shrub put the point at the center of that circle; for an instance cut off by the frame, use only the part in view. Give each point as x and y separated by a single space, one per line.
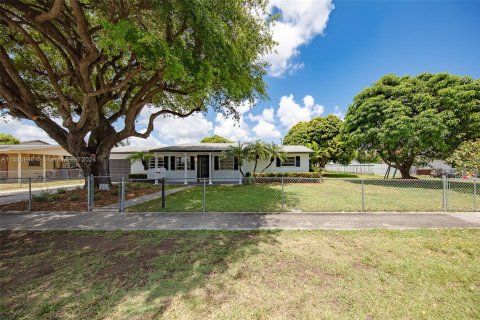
74 197
137 176
289 174
61 191
44 195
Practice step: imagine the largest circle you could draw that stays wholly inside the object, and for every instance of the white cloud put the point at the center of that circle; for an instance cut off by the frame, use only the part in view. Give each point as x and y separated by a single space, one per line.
299 23
231 129
23 130
338 112
149 142
267 115
176 130
266 129
290 112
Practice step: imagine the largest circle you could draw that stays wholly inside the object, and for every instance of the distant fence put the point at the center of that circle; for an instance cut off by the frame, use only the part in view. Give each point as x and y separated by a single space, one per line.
39 174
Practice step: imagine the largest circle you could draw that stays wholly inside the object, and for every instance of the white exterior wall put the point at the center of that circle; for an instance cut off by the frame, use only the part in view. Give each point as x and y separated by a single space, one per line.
219 174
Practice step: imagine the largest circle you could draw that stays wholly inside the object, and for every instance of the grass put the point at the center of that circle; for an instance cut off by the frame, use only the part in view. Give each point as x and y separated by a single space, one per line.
423 274
330 195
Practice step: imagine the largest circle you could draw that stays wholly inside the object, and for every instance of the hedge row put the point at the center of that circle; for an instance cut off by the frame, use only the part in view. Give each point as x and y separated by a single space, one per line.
137 176
288 174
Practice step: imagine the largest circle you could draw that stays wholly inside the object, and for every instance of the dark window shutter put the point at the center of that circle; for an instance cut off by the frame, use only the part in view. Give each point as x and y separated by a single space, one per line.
297 161
235 163
172 163
216 163
279 162
192 163
165 162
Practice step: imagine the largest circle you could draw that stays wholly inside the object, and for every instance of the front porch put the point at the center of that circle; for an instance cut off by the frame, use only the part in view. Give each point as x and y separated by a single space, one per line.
195 166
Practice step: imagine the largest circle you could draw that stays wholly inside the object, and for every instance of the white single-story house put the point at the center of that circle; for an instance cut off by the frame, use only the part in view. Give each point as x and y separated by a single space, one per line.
188 162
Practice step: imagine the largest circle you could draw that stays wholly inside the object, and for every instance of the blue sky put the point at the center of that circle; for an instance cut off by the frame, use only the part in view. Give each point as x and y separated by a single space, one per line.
327 53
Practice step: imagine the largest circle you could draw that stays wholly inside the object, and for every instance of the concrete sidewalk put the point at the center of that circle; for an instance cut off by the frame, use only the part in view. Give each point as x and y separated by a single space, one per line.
234 221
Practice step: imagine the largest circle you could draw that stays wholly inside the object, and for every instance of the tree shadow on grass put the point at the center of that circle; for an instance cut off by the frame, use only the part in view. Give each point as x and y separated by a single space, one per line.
88 274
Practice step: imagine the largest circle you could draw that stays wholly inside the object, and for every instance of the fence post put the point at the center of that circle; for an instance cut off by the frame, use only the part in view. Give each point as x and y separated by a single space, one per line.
474 194
122 200
29 194
88 193
283 197
445 193
92 192
363 196
163 193
204 195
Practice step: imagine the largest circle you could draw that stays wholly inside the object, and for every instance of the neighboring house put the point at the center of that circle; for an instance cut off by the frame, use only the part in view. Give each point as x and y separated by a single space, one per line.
36 159
204 160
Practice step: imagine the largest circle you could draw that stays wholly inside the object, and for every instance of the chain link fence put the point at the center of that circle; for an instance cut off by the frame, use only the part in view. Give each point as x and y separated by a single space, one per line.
261 194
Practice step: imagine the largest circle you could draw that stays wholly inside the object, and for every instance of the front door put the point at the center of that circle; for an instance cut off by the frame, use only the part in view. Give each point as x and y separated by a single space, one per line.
203 170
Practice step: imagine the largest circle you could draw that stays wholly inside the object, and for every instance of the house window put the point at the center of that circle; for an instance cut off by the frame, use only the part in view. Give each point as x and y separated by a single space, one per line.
160 163
33 161
289 162
228 163
180 163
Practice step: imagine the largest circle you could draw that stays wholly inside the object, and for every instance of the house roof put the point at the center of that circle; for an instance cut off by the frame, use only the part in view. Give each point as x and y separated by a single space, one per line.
129 149
34 142
219 147
26 147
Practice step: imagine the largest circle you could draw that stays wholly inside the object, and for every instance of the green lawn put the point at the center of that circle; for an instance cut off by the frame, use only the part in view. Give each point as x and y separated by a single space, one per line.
329 195
424 274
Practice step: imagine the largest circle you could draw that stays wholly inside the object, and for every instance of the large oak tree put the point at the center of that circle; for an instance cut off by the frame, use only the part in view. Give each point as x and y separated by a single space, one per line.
404 119
84 70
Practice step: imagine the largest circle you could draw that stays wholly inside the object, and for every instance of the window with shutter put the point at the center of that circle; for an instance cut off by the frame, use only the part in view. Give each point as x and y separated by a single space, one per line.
172 163
165 163
297 161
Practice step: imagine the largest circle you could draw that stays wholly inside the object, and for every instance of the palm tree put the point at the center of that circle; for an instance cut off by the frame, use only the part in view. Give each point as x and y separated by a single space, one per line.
274 151
239 151
143 156
320 156
258 151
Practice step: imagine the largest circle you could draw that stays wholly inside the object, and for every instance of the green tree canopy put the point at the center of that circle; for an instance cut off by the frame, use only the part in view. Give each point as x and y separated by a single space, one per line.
6 138
404 118
321 134
467 156
95 65
215 139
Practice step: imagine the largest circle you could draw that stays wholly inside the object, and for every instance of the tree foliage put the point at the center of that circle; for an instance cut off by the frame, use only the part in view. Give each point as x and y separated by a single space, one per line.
215 139
84 71
322 135
404 118
467 156
6 138
141 156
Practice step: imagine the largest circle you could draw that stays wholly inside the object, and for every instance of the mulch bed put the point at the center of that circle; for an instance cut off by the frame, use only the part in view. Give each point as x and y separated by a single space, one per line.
75 200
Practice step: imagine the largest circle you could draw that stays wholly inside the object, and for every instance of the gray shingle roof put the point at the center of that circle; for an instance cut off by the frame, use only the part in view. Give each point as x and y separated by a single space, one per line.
218 147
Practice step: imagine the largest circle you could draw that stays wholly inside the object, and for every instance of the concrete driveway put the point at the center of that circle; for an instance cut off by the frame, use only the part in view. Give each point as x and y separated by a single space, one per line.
234 221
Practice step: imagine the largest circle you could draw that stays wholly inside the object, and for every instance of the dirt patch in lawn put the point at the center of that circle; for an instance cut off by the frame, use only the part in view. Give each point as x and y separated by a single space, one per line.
76 200
126 256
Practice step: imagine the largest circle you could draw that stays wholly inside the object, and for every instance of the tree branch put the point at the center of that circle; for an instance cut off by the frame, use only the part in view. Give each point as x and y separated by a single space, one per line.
52 13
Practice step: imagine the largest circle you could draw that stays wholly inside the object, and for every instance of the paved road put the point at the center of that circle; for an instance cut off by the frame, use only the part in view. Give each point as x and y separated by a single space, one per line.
234 221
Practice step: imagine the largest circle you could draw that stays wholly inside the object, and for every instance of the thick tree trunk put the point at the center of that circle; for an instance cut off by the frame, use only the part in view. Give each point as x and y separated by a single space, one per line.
405 172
